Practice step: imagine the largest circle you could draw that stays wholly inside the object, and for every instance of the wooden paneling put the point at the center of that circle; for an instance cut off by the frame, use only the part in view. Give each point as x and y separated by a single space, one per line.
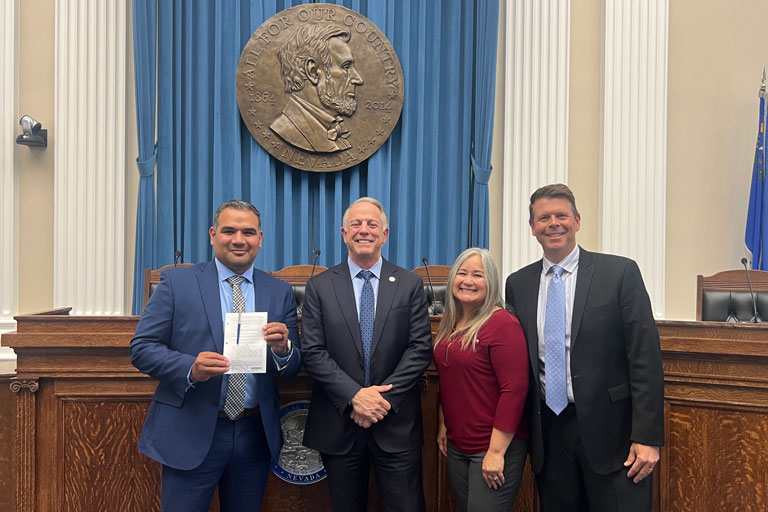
7 413
716 411
78 408
99 439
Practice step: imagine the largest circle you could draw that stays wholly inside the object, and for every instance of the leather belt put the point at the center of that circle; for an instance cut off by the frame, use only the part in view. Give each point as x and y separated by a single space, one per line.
244 414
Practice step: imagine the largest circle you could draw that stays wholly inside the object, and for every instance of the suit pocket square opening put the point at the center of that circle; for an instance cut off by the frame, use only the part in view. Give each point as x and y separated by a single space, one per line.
620 392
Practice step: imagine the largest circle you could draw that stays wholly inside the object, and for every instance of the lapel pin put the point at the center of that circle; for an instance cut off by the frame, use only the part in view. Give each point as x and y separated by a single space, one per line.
391 279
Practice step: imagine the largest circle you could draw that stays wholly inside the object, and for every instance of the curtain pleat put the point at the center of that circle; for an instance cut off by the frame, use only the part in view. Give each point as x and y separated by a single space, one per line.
486 34
144 32
205 154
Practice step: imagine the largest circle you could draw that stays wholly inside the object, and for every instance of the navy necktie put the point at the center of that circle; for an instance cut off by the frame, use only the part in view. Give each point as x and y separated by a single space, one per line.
367 312
554 338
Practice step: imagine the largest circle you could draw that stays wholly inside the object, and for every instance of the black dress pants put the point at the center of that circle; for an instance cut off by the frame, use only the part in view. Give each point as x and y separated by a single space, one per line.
568 484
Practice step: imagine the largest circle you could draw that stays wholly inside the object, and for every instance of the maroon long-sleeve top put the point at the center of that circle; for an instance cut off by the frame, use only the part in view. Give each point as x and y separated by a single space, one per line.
484 388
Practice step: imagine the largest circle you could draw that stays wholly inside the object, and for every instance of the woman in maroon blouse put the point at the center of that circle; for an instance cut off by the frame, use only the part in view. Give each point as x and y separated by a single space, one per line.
482 360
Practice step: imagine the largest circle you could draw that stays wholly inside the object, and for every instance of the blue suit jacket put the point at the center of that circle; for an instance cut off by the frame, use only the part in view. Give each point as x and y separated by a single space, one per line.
182 319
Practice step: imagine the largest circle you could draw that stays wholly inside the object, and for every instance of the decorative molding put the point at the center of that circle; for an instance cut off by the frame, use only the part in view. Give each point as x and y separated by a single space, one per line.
7 355
535 150
18 386
9 186
24 435
89 184
634 135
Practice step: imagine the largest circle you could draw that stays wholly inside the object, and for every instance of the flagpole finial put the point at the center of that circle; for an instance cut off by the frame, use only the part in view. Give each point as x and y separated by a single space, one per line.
762 87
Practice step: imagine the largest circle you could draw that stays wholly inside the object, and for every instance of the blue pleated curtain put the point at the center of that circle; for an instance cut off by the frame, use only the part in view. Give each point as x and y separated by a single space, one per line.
205 154
486 35
144 49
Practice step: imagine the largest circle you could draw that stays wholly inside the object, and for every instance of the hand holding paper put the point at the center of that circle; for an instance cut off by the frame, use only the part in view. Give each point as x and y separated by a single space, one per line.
244 343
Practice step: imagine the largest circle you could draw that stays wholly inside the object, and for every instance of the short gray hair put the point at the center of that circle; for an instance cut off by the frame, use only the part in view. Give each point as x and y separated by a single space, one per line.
374 202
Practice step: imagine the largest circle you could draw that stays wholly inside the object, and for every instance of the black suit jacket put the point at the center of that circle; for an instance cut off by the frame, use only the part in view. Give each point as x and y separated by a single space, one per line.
333 355
618 381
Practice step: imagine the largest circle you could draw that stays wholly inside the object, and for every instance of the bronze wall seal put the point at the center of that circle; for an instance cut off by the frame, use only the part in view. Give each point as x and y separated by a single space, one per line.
319 87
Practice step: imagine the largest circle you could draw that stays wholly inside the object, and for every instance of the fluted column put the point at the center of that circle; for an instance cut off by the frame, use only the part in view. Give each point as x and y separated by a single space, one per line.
535 152
634 149
89 185
24 434
9 186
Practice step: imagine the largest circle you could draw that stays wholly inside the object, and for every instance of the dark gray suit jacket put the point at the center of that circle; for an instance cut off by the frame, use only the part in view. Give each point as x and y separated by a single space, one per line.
333 355
618 381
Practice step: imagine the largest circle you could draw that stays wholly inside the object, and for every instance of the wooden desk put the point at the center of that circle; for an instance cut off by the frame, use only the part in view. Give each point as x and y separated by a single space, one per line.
80 405
716 415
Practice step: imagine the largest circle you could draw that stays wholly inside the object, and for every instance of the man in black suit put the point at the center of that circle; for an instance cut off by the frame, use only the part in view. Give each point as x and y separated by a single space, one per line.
596 400
366 366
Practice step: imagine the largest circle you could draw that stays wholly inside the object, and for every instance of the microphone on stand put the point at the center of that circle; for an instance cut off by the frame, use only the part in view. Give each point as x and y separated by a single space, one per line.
315 255
429 280
755 319
176 258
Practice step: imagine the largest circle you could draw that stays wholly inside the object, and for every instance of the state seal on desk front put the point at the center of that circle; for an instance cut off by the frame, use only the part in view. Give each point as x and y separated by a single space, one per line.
297 464
319 87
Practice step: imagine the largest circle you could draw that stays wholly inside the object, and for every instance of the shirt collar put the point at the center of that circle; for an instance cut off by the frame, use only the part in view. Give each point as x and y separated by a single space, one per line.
225 272
355 269
569 263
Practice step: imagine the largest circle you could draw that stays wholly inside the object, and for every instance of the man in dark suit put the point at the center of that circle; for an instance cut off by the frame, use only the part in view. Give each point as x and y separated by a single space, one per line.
207 428
596 400
366 366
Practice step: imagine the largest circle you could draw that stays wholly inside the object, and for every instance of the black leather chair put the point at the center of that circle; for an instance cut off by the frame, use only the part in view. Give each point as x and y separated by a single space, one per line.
297 276
725 296
438 275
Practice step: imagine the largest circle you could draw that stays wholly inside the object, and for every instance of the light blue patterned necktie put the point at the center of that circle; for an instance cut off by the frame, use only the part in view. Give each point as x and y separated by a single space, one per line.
234 403
367 312
554 337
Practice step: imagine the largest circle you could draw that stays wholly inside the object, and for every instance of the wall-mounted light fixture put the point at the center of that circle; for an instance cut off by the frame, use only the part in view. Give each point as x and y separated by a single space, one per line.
32 133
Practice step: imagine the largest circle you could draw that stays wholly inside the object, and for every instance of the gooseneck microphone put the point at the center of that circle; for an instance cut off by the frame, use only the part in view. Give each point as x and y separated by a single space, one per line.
315 255
429 280
755 319
176 258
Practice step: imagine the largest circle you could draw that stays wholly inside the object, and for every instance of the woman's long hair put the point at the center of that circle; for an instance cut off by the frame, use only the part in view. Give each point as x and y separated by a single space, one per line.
453 312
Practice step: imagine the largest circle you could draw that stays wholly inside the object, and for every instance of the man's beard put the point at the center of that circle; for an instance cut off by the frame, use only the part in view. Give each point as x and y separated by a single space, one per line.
330 100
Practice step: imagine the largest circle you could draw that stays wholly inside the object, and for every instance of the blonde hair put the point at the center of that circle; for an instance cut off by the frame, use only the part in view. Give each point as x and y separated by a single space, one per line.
453 312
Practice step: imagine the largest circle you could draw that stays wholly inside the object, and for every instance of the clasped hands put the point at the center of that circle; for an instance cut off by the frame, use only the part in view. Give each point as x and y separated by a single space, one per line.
211 364
368 406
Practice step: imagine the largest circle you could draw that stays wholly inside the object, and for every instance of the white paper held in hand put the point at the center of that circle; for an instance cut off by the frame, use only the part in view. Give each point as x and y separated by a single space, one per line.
244 343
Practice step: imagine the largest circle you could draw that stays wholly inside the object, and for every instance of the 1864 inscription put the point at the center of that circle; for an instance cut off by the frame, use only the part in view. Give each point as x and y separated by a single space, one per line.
319 87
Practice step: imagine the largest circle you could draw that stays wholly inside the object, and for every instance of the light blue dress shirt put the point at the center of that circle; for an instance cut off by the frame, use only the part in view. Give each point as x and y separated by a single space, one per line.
225 299
357 282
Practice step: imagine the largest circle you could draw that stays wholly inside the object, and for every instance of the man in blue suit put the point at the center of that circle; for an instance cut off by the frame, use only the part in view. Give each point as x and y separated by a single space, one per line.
207 428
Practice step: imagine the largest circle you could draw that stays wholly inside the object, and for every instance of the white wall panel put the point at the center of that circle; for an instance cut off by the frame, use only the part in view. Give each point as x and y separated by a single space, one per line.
9 186
535 152
634 134
89 186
